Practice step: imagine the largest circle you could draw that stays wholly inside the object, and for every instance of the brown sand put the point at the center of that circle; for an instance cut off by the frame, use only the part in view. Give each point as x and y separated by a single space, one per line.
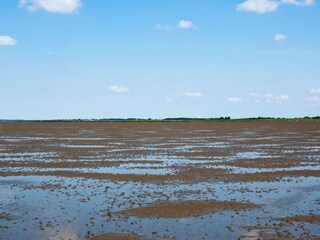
267 163
6 216
272 176
183 209
119 236
302 218
199 175
190 174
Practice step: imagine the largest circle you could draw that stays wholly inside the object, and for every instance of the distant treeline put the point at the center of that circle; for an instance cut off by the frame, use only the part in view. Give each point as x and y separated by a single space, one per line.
178 119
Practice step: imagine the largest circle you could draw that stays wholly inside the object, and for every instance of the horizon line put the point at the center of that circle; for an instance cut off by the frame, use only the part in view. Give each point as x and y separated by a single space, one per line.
132 119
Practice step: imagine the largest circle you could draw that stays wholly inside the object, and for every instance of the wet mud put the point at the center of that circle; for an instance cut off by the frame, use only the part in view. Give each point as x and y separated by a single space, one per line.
160 180
119 236
184 209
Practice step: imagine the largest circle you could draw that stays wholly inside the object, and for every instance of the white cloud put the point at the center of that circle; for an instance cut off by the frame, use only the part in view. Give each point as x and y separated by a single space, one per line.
269 96
54 6
315 90
282 97
7 41
235 99
258 6
254 94
280 37
185 24
299 2
194 94
259 98
264 6
118 89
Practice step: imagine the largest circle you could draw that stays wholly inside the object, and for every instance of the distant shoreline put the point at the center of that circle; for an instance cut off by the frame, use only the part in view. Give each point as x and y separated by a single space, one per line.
179 119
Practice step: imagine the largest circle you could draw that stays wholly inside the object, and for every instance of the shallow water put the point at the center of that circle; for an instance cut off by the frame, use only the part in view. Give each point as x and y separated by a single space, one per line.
75 207
51 207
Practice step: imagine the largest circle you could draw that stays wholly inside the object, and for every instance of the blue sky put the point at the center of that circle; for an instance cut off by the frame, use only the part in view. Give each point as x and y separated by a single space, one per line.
159 58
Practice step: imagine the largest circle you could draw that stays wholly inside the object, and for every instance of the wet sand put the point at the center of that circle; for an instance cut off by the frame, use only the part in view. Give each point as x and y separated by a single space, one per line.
5 216
119 236
184 209
309 219
159 180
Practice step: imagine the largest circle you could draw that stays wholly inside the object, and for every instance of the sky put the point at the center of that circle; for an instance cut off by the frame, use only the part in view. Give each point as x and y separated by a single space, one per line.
160 58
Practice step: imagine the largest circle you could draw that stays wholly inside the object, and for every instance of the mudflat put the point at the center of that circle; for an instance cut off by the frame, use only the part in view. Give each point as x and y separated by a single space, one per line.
160 180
